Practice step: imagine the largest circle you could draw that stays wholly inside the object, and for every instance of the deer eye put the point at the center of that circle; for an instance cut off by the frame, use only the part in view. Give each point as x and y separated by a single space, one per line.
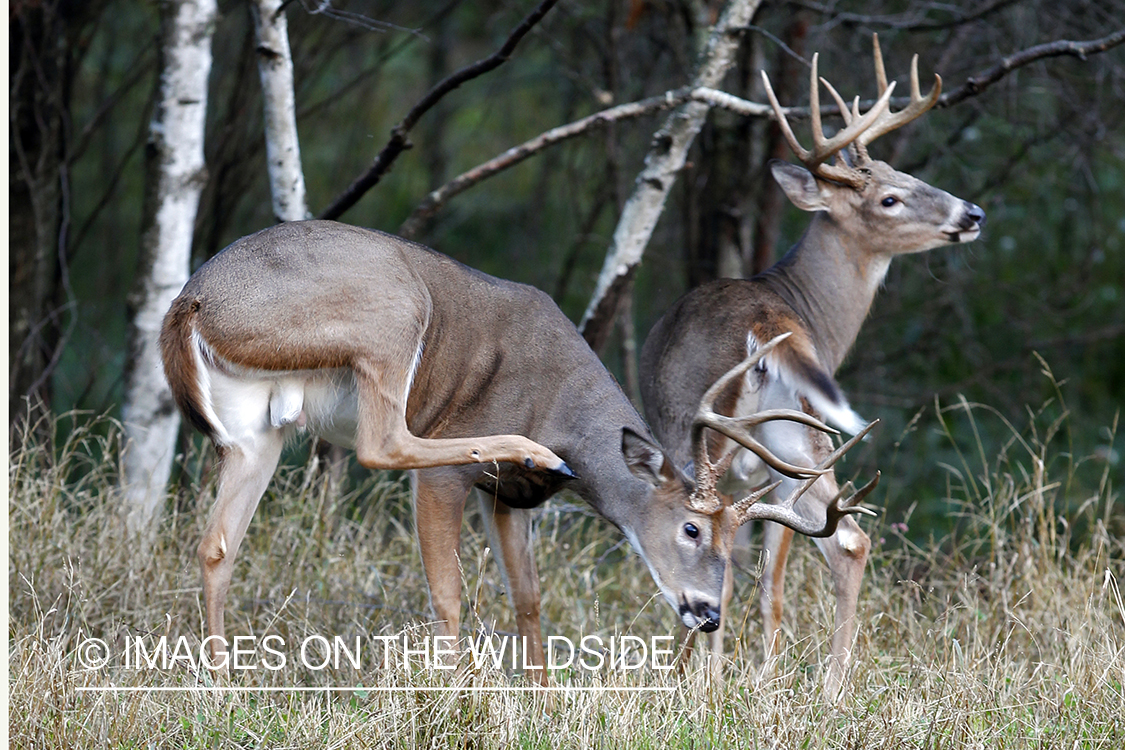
691 530
889 201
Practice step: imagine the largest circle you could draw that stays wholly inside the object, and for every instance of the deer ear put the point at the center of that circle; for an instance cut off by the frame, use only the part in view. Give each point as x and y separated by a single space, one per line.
645 459
799 186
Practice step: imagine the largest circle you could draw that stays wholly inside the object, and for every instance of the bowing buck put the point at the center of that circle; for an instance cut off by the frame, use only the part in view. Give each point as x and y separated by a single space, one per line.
418 362
864 214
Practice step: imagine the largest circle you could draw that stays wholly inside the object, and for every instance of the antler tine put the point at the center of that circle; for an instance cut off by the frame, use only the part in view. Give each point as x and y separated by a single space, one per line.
849 116
835 456
717 387
792 415
783 123
736 428
859 495
825 148
918 105
840 101
814 107
749 509
880 71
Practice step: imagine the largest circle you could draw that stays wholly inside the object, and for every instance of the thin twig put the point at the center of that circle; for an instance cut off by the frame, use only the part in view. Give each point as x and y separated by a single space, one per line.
909 21
399 141
438 198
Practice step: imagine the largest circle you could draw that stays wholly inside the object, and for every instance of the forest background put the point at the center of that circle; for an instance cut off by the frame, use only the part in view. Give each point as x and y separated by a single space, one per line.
991 614
1040 148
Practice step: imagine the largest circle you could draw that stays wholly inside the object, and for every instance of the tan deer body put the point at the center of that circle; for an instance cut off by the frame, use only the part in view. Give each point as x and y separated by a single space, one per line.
865 213
418 362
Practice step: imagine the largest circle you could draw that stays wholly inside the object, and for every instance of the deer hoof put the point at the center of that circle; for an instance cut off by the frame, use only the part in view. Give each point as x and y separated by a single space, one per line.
565 471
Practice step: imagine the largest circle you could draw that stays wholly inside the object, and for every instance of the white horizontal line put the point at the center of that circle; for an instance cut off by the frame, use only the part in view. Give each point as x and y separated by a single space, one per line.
307 689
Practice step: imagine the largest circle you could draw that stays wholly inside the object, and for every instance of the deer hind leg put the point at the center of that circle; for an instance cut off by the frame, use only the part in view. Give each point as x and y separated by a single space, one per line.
509 532
846 552
383 440
244 473
439 504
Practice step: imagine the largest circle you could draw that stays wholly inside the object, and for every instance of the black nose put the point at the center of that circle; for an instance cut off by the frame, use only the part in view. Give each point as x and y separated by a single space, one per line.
974 214
710 620
707 615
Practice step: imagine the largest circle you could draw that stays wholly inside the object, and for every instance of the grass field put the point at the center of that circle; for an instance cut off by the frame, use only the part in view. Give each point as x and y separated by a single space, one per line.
1010 633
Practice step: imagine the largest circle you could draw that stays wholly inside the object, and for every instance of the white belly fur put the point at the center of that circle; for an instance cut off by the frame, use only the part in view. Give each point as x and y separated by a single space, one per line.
248 403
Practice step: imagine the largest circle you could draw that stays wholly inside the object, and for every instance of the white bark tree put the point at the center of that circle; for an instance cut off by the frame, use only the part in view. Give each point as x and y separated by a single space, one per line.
662 164
175 173
283 150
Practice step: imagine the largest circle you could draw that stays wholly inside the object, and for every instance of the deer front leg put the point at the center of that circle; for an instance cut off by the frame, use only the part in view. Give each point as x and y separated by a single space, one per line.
509 532
244 473
439 503
846 555
846 552
776 542
383 440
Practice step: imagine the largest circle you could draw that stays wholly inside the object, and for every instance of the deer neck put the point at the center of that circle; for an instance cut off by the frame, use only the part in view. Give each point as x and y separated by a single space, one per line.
604 480
829 279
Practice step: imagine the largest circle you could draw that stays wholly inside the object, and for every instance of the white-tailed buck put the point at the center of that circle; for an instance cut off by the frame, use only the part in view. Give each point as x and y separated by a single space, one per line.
864 214
418 362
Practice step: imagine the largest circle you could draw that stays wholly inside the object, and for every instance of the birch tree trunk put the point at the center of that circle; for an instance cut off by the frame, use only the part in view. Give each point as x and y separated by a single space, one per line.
283 150
662 164
175 173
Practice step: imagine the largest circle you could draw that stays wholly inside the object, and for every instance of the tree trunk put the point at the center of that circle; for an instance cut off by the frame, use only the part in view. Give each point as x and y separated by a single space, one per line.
662 164
283 150
771 201
36 100
175 173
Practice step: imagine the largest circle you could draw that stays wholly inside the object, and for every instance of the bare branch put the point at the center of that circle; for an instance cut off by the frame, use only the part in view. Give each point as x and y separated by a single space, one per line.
438 198
910 20
399 141
978 83
324 8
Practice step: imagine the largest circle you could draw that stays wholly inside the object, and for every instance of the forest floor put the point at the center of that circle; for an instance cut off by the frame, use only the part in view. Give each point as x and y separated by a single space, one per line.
1009 633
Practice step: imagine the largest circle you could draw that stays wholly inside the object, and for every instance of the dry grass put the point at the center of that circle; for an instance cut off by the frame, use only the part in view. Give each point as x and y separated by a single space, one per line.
1009 634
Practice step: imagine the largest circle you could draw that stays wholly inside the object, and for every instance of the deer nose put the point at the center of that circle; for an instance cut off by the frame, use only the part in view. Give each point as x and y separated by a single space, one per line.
974 214
710 620
702 614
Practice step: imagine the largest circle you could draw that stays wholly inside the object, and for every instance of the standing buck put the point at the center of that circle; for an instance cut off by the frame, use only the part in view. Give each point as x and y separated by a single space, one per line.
864 214
418 362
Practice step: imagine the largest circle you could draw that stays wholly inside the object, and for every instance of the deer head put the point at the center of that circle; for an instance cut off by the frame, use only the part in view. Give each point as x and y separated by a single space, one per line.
687 536
887 211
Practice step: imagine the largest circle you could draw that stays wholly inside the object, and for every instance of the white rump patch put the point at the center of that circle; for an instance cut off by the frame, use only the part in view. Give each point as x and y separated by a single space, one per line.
205 359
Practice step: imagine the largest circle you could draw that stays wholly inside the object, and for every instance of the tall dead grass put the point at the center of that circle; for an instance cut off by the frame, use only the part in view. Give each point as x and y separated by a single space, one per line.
1008 634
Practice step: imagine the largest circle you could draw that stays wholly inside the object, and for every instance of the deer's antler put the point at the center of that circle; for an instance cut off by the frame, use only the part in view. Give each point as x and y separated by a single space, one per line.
705 499
749 509
887 120
858 130
823 149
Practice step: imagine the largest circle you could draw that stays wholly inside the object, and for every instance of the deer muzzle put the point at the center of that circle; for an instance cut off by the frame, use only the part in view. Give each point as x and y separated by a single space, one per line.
969 224
704 615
